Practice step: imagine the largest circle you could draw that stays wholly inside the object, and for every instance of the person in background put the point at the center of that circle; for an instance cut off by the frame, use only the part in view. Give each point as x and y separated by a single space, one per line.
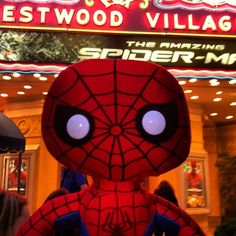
70 230
166 191
13 212
73 181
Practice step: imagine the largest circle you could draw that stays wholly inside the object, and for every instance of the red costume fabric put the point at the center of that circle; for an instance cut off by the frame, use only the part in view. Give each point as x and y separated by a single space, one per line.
118 121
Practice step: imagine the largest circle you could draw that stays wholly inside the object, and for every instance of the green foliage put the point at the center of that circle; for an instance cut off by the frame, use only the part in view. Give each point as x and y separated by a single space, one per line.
227 173
44 46
227 228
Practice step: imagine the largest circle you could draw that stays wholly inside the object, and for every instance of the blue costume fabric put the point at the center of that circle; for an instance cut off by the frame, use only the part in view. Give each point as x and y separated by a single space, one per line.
71 180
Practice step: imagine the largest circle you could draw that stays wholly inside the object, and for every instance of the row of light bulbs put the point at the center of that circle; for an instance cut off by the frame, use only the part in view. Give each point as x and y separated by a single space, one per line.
212 82
27 87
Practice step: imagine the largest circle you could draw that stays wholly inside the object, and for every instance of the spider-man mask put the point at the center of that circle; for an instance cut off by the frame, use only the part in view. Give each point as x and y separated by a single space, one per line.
116 119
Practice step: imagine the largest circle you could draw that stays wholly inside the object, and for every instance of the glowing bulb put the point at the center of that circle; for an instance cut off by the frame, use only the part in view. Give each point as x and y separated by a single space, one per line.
4 95
214 114
188 91
182 82
6 77
27 87
217 99
229 117
194 97
193 80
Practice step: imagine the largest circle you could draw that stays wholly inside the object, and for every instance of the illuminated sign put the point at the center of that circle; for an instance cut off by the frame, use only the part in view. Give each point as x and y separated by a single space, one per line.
216 5
189 17
62 47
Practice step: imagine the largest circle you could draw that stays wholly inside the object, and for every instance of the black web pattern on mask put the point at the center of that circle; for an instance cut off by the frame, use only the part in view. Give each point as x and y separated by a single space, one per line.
130 134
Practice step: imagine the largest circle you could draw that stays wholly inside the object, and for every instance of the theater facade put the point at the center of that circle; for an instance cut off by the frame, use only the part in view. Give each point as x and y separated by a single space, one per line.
194 40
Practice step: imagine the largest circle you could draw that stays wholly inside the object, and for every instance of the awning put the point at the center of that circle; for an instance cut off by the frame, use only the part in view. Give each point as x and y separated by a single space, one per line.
11 138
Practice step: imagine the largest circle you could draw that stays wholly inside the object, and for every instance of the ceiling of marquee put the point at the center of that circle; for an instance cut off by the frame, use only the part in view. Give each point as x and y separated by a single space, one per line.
217 98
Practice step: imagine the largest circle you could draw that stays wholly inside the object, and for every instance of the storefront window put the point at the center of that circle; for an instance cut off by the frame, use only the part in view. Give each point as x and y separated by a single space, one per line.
10 173
195 183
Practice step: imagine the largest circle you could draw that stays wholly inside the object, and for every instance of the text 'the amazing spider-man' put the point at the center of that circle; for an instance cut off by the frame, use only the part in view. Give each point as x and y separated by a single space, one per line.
117 121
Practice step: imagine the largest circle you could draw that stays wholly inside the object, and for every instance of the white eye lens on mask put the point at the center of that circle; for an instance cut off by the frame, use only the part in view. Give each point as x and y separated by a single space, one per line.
78 126
153 122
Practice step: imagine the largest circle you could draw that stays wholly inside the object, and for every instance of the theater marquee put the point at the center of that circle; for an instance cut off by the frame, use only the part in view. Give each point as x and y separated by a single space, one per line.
181 17
64 47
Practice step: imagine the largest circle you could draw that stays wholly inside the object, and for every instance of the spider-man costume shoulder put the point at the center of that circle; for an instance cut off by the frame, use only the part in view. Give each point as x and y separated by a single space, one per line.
118 121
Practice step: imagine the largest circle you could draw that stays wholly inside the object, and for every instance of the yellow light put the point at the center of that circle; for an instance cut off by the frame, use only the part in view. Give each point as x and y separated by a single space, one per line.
193 80
217 99
214 114
188 91
229 117
16 74
182 82
4 95
43 78
6 77
27 86
194 97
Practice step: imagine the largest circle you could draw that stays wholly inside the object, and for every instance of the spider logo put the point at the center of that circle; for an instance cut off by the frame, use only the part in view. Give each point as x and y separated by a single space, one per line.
113 227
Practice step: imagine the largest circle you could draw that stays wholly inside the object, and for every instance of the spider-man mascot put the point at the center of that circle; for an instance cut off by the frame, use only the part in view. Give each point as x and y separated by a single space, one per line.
118 121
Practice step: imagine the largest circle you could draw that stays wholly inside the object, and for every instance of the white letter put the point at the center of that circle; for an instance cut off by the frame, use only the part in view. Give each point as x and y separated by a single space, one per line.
186 56
102 20
7 15
224 23
111 52
164 45
64 15
130 43
85 53
125 55
86 17
166 21
145 55
212 57
150 44
161 56
209 23
43 11
232 59
190 23
176 22
152 21
116 18
26 12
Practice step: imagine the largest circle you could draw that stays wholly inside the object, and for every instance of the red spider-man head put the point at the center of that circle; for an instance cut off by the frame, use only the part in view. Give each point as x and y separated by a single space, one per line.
116 119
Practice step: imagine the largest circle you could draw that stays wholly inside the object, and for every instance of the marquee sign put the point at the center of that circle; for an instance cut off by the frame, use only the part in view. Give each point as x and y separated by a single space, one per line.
189 17
174 52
